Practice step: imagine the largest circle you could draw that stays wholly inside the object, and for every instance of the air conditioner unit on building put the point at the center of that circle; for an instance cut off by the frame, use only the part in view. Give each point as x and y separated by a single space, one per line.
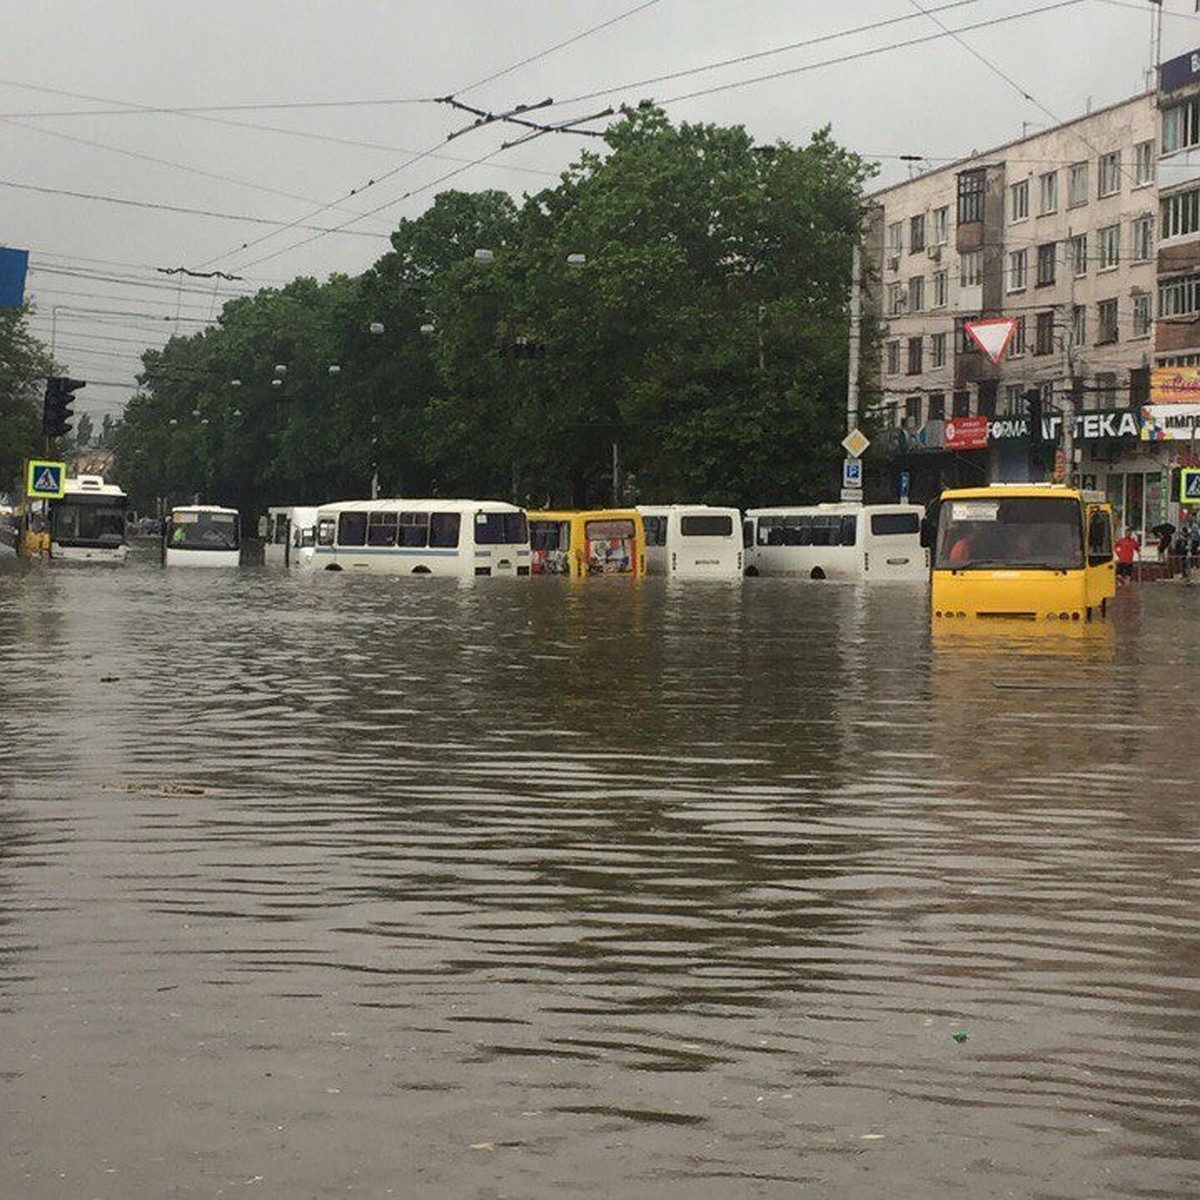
893 263
935 253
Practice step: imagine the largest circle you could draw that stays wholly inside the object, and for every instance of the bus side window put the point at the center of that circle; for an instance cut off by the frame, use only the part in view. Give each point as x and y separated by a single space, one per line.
1099 538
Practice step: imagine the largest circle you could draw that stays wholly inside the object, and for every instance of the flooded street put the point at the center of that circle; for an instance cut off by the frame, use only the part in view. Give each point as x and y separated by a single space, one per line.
327 886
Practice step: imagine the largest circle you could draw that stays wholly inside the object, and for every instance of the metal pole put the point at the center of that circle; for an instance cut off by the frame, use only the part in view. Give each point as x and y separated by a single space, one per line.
616 476
855 338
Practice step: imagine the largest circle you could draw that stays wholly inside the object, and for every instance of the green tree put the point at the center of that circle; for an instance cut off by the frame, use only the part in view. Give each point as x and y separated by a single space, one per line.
24 365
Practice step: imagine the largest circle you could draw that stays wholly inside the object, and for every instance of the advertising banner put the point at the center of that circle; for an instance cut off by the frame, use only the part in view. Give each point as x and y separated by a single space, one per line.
965 433
1170 422
1175 385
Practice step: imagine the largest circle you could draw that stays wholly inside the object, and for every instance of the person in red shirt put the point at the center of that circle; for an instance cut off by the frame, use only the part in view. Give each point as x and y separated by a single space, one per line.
1125 550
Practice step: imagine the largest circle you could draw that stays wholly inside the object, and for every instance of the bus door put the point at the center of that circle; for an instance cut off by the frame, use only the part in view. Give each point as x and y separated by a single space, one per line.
1100 580
610 546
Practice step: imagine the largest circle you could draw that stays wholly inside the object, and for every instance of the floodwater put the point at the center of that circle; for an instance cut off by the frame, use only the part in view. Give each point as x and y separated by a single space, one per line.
343 886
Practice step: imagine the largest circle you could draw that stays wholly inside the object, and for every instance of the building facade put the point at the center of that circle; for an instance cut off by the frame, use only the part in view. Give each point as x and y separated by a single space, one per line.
1057 232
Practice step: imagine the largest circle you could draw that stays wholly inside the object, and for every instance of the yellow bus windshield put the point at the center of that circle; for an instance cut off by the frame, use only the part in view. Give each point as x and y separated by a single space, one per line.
1031 532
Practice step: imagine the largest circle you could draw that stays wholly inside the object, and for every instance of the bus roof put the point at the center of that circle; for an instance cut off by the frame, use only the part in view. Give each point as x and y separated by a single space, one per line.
835 508
993 490
203 508
404 504
90 485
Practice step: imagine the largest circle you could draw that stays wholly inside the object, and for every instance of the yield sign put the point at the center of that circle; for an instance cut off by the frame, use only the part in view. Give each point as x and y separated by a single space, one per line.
992 335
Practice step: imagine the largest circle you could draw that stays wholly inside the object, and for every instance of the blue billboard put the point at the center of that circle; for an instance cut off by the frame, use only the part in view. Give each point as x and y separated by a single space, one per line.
12 277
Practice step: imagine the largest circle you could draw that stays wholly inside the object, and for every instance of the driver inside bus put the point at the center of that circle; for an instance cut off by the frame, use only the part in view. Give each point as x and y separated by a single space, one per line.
963 550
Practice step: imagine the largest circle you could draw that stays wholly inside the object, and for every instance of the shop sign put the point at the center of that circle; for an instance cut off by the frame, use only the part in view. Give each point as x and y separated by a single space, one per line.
1089 426
1175 385
965 433
1170 422
1177 73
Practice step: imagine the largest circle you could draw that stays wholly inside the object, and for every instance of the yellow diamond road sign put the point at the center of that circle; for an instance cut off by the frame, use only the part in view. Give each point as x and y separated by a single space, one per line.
855 442
45 480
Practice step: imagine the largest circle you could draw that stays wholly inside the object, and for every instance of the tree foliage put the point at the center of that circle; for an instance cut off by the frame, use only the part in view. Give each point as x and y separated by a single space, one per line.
704 337
24 365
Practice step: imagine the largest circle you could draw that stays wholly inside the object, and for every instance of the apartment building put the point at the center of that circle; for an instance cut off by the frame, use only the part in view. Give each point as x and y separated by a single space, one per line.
1056 231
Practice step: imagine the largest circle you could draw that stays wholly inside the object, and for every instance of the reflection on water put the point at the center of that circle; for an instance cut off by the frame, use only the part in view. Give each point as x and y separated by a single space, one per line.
531 889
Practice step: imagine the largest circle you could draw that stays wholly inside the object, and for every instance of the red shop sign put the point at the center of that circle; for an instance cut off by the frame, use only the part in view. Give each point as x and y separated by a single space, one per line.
965 433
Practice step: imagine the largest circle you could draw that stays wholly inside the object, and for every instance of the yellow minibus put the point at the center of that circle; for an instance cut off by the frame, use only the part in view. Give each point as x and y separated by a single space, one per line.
1036 552
602 541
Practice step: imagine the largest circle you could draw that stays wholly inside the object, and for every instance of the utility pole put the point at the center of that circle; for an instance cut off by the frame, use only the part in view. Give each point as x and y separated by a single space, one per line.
855 338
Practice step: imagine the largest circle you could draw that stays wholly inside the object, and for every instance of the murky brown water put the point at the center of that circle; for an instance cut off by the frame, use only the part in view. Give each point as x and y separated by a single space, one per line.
350 886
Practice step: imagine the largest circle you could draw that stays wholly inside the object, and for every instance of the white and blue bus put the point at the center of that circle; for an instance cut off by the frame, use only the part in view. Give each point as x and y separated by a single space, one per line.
462 538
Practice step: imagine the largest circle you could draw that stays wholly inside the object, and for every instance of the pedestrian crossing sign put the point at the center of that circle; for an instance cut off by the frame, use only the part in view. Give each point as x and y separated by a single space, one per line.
1189 485
45 480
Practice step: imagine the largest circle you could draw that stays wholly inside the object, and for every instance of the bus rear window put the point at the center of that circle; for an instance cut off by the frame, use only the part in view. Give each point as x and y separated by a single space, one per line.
715 525
501 529
886 524
613 530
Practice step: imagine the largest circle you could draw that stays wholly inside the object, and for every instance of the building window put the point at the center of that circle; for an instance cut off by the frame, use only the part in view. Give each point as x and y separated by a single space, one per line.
893 358
1180 214
937 405
1018 201
1106 389
1014 399
1048 193
970 264
1142 238
1110 247
963 342
1179 297
1016 344
1017 269
940 289
916 294
1077 184
916 234
1181 125
962 404
941 225
972 188
1045 263
937 350
1109 181
1143 163
1141 315
1079 262
914 355
895 239
912 412
1079 325
1106 321
1043 340
895 299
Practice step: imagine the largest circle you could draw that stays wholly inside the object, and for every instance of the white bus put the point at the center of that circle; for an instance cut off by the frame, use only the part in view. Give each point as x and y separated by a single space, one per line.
287 531
692 541
461 538
89 523
837 541
202 535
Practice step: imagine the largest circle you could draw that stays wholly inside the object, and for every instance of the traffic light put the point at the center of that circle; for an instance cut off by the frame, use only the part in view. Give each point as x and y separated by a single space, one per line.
1036 410
56 411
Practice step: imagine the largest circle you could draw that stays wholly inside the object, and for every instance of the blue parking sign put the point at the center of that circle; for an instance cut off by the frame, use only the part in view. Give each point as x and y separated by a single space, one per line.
852 473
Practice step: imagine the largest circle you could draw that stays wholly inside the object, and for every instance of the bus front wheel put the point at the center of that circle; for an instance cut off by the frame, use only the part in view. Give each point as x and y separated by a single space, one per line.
817 573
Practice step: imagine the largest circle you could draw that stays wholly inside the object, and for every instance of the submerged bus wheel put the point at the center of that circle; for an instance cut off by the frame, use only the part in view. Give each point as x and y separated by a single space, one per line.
420 570
817 573
333 567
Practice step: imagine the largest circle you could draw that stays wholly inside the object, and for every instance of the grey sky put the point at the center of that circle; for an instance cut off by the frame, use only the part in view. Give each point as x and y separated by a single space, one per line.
934 99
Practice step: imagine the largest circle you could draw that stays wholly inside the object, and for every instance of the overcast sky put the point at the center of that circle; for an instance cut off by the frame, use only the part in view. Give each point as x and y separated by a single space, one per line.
320 97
